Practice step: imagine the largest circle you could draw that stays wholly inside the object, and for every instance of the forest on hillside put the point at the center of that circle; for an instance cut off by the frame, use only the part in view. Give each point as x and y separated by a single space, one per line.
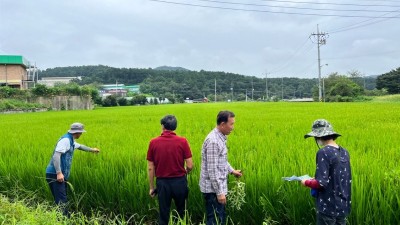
182 83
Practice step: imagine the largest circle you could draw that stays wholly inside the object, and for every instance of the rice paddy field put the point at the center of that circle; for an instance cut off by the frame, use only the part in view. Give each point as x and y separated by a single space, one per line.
267 144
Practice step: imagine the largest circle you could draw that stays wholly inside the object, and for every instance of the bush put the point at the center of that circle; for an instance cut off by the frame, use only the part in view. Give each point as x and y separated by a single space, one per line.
13 104
139 100
41 90
123 102
376 92
8 92
110 101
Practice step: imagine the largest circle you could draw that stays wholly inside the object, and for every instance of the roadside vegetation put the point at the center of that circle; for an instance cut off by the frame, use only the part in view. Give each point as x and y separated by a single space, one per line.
15 100
32 212
387 98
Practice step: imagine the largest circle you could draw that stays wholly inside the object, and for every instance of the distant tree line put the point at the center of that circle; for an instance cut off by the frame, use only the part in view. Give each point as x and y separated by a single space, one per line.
181 84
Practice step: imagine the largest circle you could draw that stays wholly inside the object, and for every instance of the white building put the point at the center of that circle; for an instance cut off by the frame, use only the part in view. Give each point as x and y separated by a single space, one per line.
51 81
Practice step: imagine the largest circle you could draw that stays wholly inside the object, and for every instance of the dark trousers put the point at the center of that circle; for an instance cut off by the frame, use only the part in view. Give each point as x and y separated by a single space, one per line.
171 188
215 211
59 192
323 219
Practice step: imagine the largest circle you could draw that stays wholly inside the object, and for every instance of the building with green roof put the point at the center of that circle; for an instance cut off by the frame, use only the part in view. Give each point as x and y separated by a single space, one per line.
17 72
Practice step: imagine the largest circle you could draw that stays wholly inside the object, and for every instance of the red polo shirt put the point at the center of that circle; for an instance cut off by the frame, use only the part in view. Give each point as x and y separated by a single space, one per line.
168 153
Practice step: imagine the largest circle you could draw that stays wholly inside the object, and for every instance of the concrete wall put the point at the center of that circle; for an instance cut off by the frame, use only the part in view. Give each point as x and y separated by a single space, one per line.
66 102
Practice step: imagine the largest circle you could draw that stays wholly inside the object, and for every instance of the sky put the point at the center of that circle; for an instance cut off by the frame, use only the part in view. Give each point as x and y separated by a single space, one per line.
273 38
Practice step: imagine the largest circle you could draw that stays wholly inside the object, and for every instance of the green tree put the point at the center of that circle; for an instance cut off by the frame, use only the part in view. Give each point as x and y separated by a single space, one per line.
390 81
8 92
139 100
339 88
170 97
122 102
41 90
110 100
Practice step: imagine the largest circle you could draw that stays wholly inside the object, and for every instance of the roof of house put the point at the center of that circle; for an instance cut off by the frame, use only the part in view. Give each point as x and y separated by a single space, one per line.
14 60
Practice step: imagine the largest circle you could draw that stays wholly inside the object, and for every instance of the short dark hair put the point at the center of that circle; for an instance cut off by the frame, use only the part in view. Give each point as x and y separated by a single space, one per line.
169 122
223 116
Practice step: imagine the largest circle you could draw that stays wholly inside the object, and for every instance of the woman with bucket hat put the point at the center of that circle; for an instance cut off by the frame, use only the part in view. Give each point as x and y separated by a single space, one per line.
58 170
332 183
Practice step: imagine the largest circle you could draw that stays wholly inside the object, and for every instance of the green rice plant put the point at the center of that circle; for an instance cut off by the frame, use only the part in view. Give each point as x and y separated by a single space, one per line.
237 195
267 143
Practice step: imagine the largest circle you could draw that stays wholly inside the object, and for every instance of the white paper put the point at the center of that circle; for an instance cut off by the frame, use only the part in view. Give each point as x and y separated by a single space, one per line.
295 178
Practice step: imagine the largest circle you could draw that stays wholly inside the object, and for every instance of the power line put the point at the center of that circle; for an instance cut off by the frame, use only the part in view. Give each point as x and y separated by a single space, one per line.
284 66
330 3
382 1
356 25
268 11
294 7
361 56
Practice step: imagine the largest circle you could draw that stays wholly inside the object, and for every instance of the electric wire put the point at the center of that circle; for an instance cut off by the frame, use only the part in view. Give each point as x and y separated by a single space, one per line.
330 3
274 12
302 8
362 23
289 60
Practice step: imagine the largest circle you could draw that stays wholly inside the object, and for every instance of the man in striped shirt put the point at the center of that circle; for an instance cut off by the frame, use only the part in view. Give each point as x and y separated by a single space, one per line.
215 168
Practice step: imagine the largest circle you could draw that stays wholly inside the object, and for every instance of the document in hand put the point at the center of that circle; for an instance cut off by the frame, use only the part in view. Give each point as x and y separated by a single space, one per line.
295 178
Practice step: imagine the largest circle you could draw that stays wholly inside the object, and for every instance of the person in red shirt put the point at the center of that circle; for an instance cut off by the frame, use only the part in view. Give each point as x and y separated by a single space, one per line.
169 160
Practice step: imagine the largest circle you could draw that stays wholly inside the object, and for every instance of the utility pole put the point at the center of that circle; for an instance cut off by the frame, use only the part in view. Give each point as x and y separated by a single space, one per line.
232 94
282 87
116 87
323 86
252 89
37 76
215 90
266 86
364 81
5 67
321 40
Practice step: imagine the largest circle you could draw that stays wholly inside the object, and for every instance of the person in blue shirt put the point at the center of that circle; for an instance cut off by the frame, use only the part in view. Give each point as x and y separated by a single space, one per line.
58 169
332 183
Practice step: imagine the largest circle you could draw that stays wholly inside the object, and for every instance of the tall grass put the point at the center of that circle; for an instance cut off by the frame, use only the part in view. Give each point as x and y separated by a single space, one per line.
267 144
36 212
387 98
